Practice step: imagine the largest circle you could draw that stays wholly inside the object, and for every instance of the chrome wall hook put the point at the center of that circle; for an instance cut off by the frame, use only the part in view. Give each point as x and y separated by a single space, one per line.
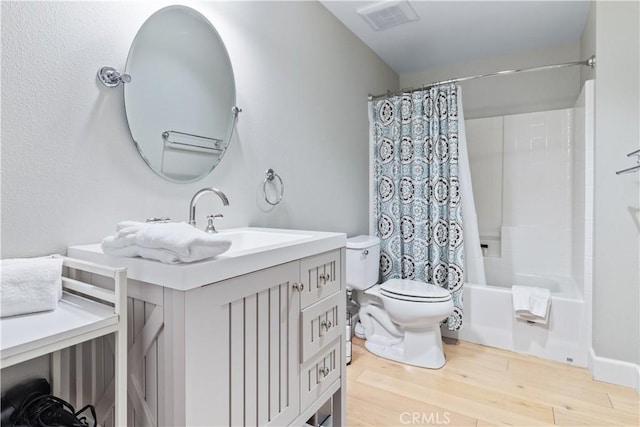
632 168
110 77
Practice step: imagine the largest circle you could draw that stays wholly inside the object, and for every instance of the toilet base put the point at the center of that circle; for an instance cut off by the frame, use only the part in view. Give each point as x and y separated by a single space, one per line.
419 346
423 349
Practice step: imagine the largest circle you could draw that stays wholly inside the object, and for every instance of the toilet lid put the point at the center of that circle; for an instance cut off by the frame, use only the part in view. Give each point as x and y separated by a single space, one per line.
404 289
362 242
414 299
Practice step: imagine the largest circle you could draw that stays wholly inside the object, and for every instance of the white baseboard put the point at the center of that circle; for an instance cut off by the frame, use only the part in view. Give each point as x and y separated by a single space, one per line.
614 371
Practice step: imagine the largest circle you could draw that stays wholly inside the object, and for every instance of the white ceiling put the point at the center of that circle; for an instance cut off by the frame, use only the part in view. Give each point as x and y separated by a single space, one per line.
456 32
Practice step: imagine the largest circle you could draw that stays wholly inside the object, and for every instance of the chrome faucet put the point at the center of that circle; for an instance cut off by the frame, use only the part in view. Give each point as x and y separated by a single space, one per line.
196 197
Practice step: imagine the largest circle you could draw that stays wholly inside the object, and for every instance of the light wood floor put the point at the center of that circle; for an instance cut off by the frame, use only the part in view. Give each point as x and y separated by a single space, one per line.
482 386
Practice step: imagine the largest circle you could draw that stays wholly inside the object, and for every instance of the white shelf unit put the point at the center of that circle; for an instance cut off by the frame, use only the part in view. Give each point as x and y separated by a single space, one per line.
84 313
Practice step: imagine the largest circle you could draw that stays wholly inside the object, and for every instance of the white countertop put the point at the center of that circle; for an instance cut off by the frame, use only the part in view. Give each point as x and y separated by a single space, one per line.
229 264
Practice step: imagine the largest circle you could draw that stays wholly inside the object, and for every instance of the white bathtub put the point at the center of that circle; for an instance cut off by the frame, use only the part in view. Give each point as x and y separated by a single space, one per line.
489 319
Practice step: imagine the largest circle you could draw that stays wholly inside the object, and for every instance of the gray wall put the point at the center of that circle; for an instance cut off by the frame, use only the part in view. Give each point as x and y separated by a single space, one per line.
616 294
520 93
70 170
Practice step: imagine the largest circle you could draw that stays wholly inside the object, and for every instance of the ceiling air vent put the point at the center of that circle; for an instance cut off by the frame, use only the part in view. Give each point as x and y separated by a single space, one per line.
387 14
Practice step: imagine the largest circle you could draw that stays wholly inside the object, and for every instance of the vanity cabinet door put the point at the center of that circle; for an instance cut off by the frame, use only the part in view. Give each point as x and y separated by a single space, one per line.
320 277
243 359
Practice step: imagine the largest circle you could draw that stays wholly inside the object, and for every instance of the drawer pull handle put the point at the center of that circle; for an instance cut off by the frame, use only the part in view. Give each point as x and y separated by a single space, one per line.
298 286
325 278
324 371
326 324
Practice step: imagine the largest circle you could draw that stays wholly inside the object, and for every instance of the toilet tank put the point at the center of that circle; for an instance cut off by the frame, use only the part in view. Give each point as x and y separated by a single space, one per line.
363 262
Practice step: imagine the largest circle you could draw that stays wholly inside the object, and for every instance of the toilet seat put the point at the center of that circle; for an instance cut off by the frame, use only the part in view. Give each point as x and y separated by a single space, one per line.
414 291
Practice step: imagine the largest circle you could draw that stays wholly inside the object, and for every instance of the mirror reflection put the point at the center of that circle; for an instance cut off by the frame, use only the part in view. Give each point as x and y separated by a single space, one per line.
180 101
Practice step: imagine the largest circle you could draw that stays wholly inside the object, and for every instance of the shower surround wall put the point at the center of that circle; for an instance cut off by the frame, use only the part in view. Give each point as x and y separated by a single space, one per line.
533 184
531 221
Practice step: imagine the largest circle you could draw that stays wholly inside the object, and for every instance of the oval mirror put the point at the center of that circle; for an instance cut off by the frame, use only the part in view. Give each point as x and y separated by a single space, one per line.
180 102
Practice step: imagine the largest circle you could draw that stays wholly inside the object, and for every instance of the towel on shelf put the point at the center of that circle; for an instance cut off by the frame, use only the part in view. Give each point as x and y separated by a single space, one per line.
170 243
531 303
29 285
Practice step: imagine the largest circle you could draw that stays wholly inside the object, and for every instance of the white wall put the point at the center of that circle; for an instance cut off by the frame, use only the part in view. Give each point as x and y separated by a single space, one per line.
582 207
520 93
70 170
578 190
616 293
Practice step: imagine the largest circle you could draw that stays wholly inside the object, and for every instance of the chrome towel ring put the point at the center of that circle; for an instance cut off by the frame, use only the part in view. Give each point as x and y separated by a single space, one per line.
269 177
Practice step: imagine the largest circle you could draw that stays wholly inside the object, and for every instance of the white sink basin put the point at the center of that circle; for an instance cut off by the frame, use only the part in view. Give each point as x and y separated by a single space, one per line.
248 240
252 249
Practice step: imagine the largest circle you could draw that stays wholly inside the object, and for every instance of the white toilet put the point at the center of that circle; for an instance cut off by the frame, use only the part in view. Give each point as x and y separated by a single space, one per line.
400 319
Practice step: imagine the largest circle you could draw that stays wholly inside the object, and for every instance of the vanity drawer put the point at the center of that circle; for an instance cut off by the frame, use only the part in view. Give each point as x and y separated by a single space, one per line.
320 324
320 277
319 373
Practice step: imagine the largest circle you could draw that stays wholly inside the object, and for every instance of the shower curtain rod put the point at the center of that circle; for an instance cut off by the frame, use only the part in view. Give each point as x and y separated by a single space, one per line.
590 62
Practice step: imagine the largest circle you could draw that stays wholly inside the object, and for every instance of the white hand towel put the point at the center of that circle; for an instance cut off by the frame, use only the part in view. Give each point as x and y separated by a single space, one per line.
539 305
170 243
30 285
520 298
531 303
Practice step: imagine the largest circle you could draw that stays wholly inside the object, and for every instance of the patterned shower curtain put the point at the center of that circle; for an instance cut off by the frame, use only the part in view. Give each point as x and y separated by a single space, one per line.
417 196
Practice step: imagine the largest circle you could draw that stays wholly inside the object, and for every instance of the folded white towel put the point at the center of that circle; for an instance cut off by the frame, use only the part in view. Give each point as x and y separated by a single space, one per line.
170 243
520 299
531 303
525 315
539 305
30 285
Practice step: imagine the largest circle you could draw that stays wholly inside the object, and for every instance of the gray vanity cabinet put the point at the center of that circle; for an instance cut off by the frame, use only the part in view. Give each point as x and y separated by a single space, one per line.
252 337
263 348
